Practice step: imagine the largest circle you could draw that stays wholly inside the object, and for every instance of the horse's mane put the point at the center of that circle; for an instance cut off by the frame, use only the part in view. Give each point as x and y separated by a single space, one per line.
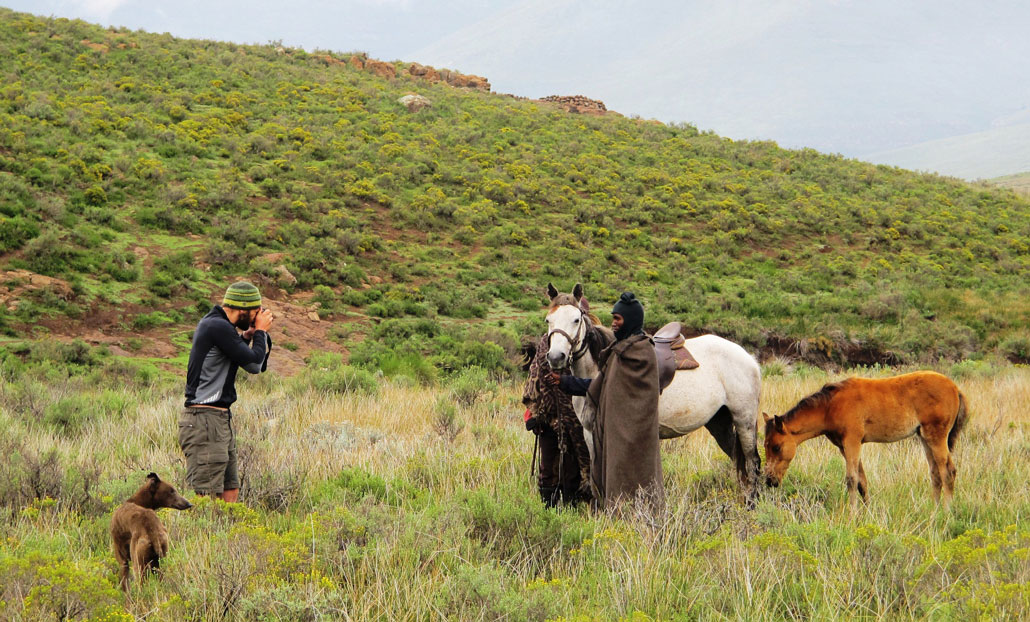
819 398
598 338
563 299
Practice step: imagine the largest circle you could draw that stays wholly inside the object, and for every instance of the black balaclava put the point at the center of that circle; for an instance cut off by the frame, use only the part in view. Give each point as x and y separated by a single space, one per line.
632 313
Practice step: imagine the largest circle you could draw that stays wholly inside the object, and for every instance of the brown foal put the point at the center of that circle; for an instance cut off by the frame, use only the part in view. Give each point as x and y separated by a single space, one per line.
863 410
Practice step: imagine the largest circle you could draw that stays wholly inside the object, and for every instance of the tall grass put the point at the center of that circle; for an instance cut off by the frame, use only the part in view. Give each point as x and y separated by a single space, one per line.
360 506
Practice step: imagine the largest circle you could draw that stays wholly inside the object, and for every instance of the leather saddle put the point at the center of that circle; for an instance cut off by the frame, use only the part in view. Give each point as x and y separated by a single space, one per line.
670 349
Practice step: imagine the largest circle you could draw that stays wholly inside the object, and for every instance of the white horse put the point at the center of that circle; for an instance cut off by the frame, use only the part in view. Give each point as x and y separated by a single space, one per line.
721 395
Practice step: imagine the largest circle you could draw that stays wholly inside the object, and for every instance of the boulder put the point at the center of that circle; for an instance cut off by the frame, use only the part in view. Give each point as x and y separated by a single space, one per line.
283 276
414 102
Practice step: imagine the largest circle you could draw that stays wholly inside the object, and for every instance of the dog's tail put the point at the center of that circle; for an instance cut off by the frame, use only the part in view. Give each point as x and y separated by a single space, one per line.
960 421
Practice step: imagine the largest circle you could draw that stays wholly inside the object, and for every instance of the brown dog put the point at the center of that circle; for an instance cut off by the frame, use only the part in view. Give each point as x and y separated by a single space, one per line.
137 533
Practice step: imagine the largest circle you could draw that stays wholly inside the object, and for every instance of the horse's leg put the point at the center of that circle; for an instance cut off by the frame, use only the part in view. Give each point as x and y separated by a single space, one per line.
942 469
935 476
748 459
852 448
720 426
585 414
949 477
863 486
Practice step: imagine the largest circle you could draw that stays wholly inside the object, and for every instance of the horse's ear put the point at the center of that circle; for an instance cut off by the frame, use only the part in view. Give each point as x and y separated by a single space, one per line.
551 291
765 416
778 424
577 292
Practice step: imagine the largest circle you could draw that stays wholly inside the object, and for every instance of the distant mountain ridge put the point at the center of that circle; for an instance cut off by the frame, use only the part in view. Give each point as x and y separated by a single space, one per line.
981 155
1019 182
849 77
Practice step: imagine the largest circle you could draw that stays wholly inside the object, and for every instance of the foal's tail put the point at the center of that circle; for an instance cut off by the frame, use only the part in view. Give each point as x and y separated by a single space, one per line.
960 421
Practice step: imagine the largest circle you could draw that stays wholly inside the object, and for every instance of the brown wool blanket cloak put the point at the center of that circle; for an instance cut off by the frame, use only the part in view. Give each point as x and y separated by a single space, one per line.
626 454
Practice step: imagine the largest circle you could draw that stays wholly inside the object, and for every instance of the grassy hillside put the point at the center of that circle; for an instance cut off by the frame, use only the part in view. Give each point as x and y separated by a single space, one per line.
141 173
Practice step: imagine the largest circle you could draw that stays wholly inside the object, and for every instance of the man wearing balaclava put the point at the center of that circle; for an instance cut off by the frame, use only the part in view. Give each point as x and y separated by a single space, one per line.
627 464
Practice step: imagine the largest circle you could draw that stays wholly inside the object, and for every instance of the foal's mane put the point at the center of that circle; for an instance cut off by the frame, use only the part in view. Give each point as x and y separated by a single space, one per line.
815 400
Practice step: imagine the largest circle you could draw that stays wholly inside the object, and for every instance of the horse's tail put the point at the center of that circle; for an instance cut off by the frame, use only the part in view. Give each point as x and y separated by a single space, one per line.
960 421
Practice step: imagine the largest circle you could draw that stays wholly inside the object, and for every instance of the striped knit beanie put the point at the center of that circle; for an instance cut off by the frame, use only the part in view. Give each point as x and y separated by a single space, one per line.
242 295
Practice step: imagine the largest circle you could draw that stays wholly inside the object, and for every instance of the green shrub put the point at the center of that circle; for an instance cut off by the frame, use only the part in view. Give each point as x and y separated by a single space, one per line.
357 484
146 321
1017 349
395 332
49 587
327 373
77 353
95 195
50 253
445 418
15 232
970 368
469 385
68 415
410 364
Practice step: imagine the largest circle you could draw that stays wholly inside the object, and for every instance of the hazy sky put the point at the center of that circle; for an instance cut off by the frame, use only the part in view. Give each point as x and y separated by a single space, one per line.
386 29
864 78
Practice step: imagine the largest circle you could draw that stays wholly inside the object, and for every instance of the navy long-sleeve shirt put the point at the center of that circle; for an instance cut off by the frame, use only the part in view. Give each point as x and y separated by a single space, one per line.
217 352
573 385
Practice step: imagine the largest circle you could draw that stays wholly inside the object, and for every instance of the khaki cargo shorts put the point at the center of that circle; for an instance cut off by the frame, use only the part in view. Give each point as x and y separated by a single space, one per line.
207 438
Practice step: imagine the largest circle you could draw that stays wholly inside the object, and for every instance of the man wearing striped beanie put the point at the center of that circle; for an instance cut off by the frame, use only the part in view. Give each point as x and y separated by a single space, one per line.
206 433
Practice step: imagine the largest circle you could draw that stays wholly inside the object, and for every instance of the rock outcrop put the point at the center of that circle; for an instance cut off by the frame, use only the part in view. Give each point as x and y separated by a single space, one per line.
453 78
424 71
381 69
576 104
20 282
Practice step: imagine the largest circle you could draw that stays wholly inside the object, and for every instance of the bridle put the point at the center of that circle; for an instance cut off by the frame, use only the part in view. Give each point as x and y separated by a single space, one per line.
579 343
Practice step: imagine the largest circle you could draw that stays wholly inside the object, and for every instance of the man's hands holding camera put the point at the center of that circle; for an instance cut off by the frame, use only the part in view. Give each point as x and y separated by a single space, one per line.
263 321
